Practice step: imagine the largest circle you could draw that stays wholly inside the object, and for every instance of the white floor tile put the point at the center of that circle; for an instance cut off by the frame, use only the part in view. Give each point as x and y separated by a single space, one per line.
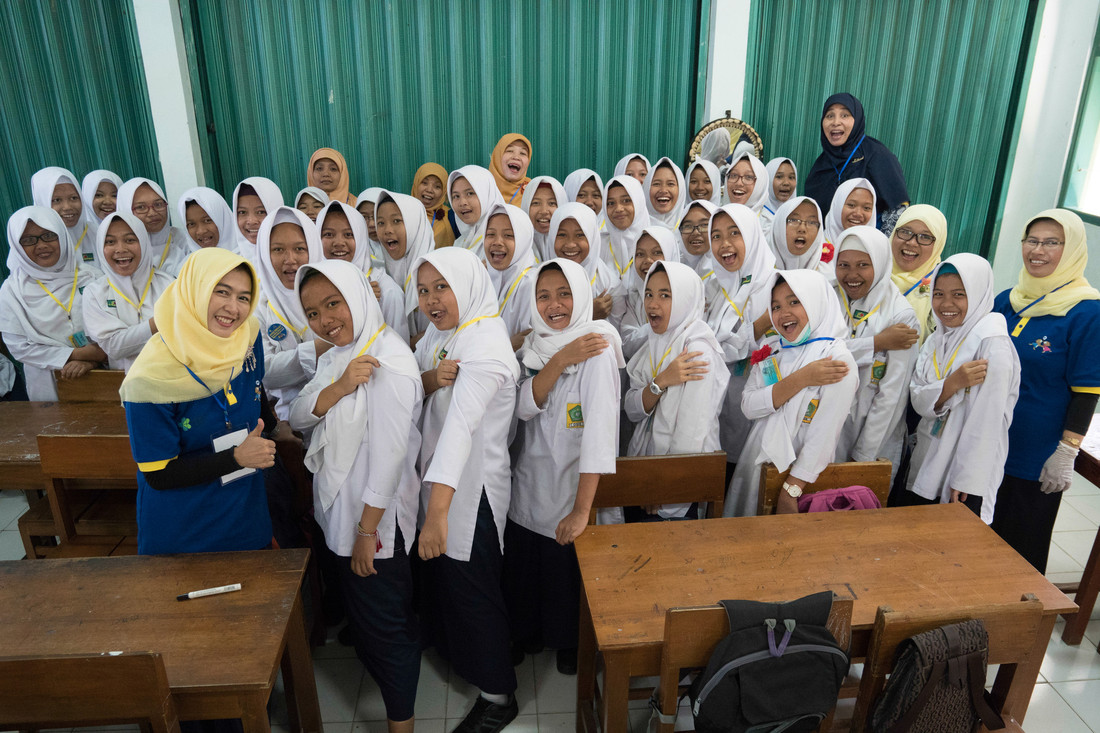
11 545
1049 713
1069 519
12 506
1084 698
1087 504
370 706
522 724
1077 544
525 690
338 682
431 690
554 692
556 722
1064 663
1092 633
427 725
1081 486
460 697
1060 561
639 720
334 649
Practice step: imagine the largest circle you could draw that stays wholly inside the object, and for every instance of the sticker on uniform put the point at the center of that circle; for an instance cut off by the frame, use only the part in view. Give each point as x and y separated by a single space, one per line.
89 257
811 410
770 369
574 418
878 371
276 331
111 304
746 279
78 339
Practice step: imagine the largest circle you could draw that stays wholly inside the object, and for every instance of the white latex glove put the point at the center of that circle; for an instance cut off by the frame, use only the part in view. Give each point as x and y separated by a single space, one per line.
1057 473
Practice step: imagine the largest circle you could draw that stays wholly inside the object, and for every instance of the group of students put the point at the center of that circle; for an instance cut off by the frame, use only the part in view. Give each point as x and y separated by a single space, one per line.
466 361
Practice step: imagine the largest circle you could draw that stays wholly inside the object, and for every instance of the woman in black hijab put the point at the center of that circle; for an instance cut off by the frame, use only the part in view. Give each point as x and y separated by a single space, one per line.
847 151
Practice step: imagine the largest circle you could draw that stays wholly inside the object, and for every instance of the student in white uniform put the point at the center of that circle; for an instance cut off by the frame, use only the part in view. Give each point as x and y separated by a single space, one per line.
575 235
676 380
541 198
585 186
310 200
627 215
406 235
100 192
872 303
665 193
783 183
799 394
634 165
58 189
145 199
965 387
738 305
41 314
364 204
253 199
118 307
207 220
470 375
693 238
654 243
704 182
853 206
568 407
797 238
287 240
362 408
747 182
510 257
344 237
472 191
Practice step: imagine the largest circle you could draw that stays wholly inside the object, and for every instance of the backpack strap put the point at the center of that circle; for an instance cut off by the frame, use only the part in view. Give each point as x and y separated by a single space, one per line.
979 698
906 721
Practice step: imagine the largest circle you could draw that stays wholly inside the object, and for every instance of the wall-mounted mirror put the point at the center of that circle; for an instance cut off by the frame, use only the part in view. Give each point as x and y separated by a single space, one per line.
718 140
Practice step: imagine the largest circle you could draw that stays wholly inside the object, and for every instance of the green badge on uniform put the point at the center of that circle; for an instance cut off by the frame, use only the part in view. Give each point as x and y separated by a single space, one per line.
811 410
746 279
878 371
89 257
574 418
185 423
111 304
859 315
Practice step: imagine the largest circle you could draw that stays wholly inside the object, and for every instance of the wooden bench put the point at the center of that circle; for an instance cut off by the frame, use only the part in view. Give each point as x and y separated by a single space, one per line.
1015 643
100 689
1085 591
676 479
98 385
691 635
875 475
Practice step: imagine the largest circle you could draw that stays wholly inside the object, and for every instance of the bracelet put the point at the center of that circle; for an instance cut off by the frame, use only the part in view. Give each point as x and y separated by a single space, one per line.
1074 442
364 533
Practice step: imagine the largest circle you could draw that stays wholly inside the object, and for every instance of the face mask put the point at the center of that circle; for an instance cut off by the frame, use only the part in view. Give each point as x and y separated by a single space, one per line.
802 337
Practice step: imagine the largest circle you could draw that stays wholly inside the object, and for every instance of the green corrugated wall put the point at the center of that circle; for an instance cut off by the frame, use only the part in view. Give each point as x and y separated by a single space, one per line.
72 93
395 84
938 79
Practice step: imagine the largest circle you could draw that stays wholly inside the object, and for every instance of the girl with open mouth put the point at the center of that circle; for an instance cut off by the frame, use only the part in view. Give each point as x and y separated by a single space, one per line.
665 193
799 242
207 219
656 244
144 198
853 205
100 190
406 233
508 163
784 181
429 186
509 254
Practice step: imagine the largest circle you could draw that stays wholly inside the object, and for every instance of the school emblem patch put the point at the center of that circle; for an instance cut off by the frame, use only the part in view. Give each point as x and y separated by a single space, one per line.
89 257
111 303
574 418
276 331
878 371
811 410
746 279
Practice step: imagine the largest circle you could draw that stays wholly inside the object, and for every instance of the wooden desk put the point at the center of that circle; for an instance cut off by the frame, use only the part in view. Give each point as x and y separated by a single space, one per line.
221 653
933 557
1085 592
22 422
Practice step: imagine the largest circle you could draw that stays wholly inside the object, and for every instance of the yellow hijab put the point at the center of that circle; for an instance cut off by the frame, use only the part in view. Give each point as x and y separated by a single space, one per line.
512 191
159 375
437 215
340 193
1064 288
907 282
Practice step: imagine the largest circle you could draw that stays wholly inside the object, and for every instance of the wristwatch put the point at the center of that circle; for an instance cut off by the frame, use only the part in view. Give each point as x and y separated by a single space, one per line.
793 491
655 389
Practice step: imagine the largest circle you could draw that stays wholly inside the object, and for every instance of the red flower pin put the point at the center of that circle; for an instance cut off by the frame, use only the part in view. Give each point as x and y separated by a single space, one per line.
760 355
827 251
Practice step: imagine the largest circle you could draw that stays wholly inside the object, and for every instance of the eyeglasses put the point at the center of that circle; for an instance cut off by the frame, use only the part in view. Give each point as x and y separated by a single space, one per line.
157 206
30 240
906 235
810 223
734 178
1034 243
692 228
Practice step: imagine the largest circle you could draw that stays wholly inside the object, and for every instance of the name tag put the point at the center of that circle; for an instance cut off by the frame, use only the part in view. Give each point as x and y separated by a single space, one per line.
574 417
770 369
78 339
878 371
811 410
937 426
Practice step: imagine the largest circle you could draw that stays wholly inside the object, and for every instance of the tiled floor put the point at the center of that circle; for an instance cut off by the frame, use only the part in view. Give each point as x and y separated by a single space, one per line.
1066 700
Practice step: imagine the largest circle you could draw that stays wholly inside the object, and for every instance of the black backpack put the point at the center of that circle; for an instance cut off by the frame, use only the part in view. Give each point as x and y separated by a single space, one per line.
780 669
938 684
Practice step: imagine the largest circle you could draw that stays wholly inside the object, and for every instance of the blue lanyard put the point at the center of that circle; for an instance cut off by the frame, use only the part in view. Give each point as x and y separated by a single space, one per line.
840 172
914 285
1038 300
807 341
220 398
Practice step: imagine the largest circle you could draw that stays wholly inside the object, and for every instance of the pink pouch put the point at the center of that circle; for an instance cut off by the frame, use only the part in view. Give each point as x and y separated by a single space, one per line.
839 500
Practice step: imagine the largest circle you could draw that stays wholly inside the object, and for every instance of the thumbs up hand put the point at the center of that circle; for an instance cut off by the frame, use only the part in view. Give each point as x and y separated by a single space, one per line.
255 451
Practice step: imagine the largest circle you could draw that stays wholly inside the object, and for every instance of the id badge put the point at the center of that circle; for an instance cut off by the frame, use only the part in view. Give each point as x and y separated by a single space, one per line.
937 426
78 339
231 439
770 369
740 367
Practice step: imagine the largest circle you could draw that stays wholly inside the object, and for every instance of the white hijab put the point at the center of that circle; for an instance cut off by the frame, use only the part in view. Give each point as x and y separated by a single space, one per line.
736 288
219 212
763 185
271 198
159 240
589 225
361 256
672 218
335 442
669 253
543 341
771 203
960 345
316 193
808 260
471 236
544 250
145 285
43 183
620 167
278 298
833 225
419 241
523 256
577 178
884 299
700 263
620 250
715 182
91 183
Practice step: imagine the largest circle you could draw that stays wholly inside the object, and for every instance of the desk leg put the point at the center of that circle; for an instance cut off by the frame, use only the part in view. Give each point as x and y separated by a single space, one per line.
254 714
586 670
301 689
1018 696
1085 598
616 694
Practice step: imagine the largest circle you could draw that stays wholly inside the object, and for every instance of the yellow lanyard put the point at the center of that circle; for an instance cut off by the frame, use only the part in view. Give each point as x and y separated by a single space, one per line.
300 332
622 270
441 352
81 238
476 242
732 304
72 294
164 254
947 368
508 295
865 317
143 294
366 345
656 369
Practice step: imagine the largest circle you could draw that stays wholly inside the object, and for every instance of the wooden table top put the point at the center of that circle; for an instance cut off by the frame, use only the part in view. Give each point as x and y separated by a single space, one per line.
940 556
22 422
232 641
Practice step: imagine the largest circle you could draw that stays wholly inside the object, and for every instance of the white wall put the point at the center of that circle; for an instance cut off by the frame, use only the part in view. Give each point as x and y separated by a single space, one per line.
1062 53
160 34
727 50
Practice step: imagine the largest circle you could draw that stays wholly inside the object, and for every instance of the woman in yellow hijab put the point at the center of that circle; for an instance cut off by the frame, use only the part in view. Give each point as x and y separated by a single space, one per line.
1053 317
916 245
430 188
194 399
328 171
509 163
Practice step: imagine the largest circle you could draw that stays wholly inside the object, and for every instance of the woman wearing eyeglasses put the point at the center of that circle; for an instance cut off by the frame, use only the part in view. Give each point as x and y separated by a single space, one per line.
144 198
916 244
1053 318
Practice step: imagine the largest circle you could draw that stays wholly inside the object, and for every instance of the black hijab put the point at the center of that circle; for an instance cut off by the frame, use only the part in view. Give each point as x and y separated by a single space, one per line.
861 156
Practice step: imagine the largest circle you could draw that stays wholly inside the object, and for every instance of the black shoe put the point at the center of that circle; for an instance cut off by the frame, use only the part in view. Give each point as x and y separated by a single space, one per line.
346 636
488 717
567 661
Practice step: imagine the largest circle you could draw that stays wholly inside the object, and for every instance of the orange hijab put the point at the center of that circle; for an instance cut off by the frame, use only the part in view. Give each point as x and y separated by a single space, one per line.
441 228
511 191
340 193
